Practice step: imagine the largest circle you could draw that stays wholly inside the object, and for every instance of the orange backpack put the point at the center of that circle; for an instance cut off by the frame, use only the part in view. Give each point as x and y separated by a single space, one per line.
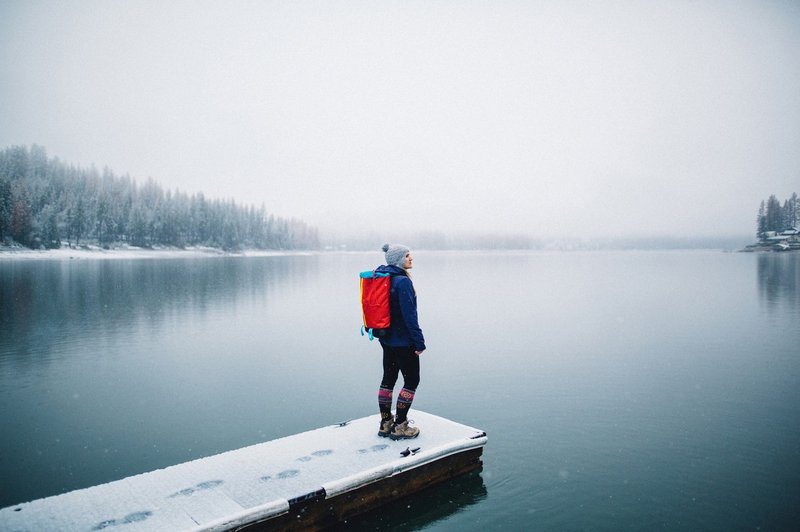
375 287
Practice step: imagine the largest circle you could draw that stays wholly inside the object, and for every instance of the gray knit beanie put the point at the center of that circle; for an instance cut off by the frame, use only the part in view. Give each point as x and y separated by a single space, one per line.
395 254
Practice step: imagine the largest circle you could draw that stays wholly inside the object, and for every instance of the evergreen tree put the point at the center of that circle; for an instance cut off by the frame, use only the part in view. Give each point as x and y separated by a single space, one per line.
791 215
761 221
774 215
21 218
6 208
50 230
786 215
137 227
102 220
78 222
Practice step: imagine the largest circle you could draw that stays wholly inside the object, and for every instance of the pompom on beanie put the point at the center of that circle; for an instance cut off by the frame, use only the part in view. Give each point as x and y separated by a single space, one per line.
395 254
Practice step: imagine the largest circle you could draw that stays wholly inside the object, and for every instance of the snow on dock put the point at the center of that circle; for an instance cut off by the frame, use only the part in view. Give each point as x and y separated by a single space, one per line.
308 480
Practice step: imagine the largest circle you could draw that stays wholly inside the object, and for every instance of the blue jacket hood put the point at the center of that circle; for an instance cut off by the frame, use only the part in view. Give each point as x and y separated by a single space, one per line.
393 270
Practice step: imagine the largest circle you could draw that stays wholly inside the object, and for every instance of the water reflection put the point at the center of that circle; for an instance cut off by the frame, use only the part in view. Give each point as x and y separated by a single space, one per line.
48 304
420 510
113 368
779 278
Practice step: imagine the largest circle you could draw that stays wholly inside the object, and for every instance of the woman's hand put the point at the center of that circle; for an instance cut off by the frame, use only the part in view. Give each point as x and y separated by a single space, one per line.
418 353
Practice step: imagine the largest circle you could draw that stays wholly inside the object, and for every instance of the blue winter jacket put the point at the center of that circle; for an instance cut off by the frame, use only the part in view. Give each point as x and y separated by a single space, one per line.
404 330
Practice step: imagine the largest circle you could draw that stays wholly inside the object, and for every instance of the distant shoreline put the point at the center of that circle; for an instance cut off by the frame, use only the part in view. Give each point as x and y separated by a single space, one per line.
132 252
766 249
94 252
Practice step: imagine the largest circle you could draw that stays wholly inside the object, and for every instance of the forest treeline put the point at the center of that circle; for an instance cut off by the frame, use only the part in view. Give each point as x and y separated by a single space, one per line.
45 203
776 217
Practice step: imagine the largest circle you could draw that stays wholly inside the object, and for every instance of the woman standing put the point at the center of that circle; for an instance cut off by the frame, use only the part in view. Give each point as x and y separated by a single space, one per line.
402 345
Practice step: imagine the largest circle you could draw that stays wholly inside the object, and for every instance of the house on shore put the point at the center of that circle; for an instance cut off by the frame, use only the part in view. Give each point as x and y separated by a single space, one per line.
788 240
783 241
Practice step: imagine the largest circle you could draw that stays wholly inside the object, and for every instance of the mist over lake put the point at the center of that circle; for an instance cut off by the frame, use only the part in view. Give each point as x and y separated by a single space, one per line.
619 389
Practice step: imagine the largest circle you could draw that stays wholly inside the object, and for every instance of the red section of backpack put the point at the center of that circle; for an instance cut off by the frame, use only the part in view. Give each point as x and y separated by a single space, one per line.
375 300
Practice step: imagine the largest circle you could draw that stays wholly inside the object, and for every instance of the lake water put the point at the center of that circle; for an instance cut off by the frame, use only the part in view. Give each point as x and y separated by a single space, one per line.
619 390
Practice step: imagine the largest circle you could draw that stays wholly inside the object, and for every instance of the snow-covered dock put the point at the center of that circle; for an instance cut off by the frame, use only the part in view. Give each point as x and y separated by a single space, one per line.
305 481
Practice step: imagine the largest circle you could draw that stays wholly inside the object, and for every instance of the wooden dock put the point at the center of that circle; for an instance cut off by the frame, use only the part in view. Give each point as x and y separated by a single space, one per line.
306 481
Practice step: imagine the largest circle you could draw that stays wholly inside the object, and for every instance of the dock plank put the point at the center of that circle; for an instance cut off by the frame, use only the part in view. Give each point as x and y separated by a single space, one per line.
261 482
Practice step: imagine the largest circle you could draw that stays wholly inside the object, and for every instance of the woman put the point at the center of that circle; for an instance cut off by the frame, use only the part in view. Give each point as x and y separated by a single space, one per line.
402 345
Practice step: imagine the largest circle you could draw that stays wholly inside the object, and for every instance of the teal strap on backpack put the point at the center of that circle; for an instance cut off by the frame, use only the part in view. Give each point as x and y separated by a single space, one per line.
370 274
369 331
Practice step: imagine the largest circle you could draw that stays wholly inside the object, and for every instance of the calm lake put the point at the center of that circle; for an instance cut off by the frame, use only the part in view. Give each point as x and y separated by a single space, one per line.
620 390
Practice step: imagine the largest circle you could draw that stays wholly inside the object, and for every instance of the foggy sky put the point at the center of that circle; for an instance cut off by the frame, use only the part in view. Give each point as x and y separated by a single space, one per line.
550 118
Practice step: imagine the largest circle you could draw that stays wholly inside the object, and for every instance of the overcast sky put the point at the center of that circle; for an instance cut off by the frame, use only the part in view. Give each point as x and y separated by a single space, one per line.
539 117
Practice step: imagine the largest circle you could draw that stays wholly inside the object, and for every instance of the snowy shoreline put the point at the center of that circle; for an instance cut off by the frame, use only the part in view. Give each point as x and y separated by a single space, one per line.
132 252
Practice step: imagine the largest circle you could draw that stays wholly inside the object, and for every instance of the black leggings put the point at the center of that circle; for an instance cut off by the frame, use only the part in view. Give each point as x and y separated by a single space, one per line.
400 360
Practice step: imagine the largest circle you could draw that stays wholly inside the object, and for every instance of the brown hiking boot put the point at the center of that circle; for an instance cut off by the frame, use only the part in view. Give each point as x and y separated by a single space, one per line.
402 431
386 427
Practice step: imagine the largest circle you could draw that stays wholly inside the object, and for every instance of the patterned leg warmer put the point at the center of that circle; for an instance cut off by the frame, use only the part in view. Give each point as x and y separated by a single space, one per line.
404 400
385 402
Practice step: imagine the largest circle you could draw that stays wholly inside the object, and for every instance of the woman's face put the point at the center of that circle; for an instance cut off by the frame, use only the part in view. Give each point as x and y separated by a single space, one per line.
407 261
